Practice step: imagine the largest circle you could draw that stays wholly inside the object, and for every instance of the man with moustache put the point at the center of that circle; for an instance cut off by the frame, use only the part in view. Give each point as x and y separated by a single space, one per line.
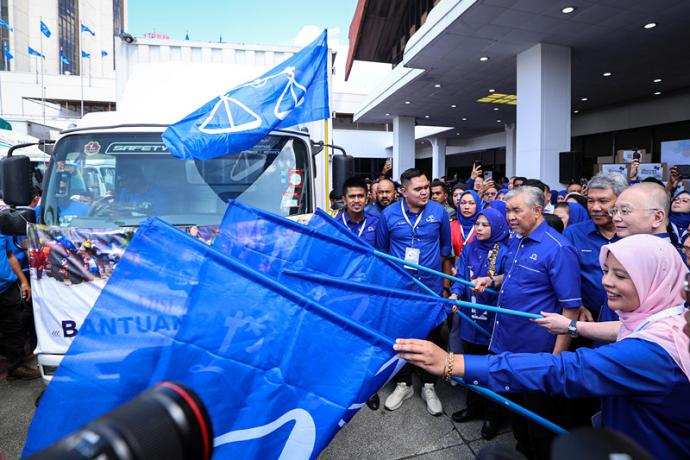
385 196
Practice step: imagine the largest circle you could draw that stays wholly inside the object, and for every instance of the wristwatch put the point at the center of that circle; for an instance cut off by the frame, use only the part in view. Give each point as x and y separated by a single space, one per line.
572 328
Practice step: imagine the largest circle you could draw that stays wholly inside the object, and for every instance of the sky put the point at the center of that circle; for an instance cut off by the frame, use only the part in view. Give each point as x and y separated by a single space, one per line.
266 22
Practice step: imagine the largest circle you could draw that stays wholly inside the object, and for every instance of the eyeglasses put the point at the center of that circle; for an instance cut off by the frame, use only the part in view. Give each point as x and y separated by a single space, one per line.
626 211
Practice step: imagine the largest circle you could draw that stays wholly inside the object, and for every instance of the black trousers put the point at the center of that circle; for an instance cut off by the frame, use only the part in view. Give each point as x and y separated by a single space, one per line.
405 374
533 440
12 325
477 404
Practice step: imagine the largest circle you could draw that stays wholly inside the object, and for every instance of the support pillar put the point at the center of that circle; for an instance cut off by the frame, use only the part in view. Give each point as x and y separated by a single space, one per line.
510 149
438 157
543 111
403 145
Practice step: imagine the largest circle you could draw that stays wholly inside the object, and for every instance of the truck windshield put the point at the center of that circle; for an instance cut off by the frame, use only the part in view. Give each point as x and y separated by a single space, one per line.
120 179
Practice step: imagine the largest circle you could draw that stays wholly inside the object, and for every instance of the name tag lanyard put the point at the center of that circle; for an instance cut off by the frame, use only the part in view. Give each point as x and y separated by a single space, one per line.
677 310
361 228
407 219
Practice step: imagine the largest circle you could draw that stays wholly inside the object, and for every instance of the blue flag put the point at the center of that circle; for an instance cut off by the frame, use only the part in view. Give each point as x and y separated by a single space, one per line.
8 55
6 26
45 30
63 58
104 53
33 52
186 36
86 55
295 91
259 355
85 28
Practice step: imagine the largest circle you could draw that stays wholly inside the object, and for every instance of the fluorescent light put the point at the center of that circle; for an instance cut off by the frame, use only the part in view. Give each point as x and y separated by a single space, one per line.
407 102
650 25
657 93
484 58
607 74
437 85
584 99
568 9
657 80
452 106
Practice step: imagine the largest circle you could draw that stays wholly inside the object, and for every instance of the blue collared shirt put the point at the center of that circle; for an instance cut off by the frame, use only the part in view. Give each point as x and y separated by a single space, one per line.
541 273
7 276
366 229
644 394
587 240
431 236
374 209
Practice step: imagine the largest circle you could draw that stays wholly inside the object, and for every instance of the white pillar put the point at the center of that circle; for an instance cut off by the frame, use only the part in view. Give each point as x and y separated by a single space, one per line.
543 111
510 149
403 145
438 157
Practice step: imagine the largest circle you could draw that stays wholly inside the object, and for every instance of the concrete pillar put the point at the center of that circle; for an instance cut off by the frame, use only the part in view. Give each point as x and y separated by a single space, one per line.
543 111
510 149
403 145
438 157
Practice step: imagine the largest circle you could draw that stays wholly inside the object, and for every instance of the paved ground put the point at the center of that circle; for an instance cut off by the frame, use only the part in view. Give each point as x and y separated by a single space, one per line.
409 432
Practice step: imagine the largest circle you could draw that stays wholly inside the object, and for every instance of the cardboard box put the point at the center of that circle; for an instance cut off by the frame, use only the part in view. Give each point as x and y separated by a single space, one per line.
614 167
656 170
625 156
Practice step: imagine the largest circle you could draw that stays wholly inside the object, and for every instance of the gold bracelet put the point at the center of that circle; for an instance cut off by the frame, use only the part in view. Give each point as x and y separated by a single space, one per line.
449 367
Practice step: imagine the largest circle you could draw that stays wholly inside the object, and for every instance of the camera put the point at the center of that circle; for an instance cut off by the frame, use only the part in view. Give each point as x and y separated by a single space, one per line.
168 421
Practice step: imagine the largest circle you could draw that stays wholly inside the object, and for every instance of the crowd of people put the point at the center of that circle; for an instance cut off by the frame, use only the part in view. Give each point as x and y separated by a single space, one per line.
603 262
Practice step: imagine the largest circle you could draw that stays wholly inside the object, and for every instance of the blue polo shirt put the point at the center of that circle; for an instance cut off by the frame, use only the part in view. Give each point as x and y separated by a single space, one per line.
431 236
644 394
374 209
541 273
366 229
7 276
587 241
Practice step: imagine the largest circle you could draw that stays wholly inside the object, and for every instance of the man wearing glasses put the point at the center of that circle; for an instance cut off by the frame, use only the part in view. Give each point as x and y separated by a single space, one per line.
642 209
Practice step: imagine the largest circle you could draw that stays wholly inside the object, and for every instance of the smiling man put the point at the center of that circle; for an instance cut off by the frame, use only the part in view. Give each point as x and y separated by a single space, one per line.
642 209
354 217
418 230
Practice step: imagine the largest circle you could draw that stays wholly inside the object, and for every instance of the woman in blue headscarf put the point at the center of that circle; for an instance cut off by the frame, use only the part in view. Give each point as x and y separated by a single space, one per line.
571 213
680 215
462 230
480 258
501 194
497 205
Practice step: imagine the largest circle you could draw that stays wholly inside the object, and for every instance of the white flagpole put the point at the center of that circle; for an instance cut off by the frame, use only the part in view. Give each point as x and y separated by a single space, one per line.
81 70
43 88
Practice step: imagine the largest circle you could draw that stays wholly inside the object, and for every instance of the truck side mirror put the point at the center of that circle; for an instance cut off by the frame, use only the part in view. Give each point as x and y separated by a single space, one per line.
16 180
13 221
343 169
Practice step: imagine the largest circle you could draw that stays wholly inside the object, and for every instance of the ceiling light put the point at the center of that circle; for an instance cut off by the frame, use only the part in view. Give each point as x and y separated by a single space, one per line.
568 9
388 114
607 74
464 119
657 80
426 116
498 121
492 90
457 134
657 93
650 25
584 99
484 58
495 109
407 102
437 85
452 106
576 111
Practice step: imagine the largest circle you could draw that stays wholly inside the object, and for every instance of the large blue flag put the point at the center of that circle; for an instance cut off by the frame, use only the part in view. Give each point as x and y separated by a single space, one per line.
260 356
271 244
296 91
45 30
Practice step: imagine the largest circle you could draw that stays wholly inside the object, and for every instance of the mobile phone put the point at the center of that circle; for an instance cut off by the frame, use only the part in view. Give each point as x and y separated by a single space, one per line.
636 155
488 175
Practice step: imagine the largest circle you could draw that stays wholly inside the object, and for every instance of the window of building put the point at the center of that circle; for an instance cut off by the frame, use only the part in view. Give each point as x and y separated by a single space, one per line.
68 28
4 34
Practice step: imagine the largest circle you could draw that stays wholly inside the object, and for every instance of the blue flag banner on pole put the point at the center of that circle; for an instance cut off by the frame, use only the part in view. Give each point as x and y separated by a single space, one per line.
6 26
33 52
271 243
8 55
259 354
186 36
63 58
86 55
104 53
45 30
295 91
85 28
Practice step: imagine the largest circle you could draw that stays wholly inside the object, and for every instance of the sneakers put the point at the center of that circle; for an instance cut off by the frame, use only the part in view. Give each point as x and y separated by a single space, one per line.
400 394
23 373
433 404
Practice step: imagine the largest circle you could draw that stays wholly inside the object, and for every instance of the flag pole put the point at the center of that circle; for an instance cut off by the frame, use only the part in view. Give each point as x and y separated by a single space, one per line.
81 70
43 87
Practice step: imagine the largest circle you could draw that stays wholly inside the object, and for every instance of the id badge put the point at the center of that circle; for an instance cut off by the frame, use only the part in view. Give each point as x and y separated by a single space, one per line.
411 255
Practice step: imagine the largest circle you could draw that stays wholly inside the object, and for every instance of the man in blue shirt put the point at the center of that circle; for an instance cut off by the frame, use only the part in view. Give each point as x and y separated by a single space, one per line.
385 196
417 230
588 237
354 217
541 273
11 312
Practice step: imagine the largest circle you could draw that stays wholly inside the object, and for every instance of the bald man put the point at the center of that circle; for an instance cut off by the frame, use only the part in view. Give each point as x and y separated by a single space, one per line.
641 209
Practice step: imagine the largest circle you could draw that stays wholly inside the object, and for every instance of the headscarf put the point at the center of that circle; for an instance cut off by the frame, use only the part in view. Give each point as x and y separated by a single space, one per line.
479 250
562 193
468 222
554 197
497 205
577 214
658 273
504 191
681 220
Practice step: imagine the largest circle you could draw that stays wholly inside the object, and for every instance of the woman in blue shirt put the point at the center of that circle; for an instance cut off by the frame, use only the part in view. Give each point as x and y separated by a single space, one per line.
643 378
480 258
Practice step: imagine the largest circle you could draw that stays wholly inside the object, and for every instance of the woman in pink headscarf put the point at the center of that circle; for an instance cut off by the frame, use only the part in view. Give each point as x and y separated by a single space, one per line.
643 378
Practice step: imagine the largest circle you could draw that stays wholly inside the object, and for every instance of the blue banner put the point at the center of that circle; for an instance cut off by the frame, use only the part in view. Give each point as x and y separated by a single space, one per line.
63 58
6 49
33 52
86 55
177 309
85 28
6 26
293 92
45 30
